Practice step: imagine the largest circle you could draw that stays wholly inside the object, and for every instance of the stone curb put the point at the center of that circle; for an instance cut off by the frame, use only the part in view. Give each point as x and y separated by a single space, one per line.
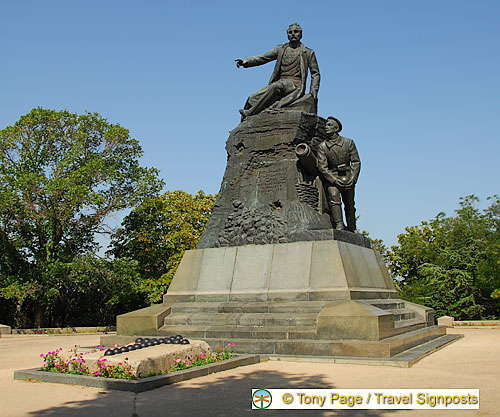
477 323
139 385
64 330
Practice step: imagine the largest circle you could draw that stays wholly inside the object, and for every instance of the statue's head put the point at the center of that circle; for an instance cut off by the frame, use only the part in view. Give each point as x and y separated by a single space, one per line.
333 125
294 32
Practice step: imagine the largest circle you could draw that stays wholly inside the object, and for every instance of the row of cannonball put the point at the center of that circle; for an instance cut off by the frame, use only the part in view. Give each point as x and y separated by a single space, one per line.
141 343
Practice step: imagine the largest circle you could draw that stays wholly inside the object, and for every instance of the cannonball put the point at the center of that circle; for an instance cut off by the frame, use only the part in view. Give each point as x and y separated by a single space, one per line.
109 352
139 340
116 351
184 342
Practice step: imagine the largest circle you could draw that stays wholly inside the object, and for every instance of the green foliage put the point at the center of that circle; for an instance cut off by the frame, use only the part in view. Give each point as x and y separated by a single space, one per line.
61 175
158 232
452 264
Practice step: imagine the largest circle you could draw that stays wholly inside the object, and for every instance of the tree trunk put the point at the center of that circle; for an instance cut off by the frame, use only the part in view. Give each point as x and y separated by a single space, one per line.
39 310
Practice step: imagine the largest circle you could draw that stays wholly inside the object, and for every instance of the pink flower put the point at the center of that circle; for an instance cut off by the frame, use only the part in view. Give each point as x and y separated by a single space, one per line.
97 373
234 344
41 355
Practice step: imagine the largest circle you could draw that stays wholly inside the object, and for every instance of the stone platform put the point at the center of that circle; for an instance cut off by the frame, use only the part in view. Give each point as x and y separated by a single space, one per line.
358 328
318 299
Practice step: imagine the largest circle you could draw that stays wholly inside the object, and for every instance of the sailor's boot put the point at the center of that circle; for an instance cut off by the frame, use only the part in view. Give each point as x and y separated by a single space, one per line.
337 216
351 221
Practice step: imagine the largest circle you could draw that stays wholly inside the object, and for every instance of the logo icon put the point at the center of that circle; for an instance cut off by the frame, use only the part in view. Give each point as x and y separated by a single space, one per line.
262 398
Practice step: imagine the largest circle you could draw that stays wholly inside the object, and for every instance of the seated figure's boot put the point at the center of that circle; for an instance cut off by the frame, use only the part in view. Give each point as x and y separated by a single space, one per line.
337 217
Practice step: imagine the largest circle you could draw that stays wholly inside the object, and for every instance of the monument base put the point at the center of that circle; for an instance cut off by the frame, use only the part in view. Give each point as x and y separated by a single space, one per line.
323 298
300 271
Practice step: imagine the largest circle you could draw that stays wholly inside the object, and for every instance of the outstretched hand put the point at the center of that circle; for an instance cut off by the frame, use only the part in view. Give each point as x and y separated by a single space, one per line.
239 62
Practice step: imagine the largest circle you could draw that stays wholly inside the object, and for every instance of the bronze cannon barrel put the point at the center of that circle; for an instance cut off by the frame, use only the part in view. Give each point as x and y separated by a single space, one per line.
306 158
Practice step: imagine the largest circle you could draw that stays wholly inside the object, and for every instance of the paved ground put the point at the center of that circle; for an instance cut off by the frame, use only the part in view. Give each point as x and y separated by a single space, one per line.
472 362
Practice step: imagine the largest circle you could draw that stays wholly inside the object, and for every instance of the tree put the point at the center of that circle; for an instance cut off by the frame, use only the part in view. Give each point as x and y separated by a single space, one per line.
61 175
158 232
452 264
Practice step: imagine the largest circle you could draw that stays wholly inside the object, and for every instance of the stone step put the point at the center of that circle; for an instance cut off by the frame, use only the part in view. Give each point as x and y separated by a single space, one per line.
402 314
302 347
238 332
385 348
247 307
410 323
387 304
418 352
242 319
404 326
408 340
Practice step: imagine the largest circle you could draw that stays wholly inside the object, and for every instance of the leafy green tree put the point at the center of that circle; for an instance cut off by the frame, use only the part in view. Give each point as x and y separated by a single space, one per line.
61 176
158 232
96 289
452 263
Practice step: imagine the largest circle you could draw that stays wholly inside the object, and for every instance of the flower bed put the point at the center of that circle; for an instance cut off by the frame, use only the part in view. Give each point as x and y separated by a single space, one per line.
135 385
76 364
221 354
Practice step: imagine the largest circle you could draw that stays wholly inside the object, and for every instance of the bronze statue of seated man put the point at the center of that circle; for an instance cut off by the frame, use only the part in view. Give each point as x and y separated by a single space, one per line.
286 88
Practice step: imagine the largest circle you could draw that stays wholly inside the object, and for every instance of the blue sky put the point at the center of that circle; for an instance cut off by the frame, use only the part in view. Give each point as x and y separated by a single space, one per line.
415 83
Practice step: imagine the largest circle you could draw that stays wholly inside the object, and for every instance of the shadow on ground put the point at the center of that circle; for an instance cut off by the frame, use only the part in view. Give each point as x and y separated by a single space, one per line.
226 396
